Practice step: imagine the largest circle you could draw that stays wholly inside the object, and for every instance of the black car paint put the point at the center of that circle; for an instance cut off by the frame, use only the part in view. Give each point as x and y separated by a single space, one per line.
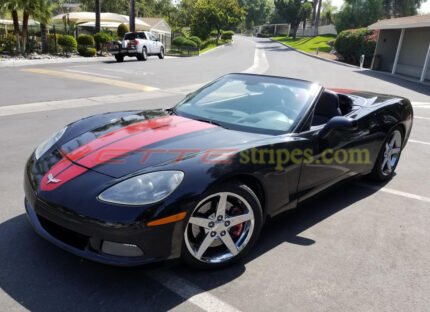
74 206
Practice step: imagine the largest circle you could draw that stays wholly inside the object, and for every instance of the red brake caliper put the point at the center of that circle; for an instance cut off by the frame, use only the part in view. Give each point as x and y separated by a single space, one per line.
236 230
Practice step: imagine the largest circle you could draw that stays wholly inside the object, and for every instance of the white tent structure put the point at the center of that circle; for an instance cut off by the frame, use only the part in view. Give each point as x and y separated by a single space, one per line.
112 25
80 18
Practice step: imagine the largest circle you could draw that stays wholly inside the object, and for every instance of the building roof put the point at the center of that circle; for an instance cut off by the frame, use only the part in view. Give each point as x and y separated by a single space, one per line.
417 21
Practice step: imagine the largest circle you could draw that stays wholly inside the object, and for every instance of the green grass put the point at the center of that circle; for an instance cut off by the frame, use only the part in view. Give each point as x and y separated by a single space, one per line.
308 44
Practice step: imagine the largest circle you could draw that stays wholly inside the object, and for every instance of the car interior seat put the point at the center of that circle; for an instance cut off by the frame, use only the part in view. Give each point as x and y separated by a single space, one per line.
326 108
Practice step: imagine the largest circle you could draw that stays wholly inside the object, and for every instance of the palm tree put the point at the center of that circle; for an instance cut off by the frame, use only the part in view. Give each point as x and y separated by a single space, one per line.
13 6
132 15
43 15
318 16
98 13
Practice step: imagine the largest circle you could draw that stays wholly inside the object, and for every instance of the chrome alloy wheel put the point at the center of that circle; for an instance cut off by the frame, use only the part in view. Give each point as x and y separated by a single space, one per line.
219 228
391 153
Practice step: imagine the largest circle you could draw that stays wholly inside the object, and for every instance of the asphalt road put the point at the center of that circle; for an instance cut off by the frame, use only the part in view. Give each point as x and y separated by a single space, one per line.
355 248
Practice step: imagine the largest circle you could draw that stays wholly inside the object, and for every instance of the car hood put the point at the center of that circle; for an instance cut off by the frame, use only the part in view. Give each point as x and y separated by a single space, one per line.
135 141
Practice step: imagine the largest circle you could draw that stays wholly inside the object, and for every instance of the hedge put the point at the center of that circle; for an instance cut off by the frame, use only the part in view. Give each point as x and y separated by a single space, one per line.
122 30
86 40
178 41
227 35
87 52
196 39
67 43
353 43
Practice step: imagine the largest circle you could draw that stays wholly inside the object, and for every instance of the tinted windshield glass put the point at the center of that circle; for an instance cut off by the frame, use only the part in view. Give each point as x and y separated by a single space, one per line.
251 103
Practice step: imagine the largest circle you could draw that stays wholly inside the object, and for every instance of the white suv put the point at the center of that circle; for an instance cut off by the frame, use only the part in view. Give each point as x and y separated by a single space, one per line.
138 44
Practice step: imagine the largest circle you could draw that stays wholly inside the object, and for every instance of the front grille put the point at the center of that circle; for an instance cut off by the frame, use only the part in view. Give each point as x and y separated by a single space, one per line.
67 236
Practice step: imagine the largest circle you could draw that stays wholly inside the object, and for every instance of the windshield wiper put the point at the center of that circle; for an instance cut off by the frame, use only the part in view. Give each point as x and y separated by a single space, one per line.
211 122
171 110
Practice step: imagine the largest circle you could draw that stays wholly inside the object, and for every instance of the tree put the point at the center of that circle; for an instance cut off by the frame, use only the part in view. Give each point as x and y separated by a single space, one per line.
396 8
293 12
328 10
28 8
317 17
43 14
359 13
132 17
185 13
215 14
257 11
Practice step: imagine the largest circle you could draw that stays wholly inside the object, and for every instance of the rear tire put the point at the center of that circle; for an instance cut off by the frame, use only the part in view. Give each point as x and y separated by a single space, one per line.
223 227
389 156
119 58
161 54
143 56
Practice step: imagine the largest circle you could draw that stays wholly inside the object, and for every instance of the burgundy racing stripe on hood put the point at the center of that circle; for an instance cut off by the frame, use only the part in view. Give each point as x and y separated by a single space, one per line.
116 144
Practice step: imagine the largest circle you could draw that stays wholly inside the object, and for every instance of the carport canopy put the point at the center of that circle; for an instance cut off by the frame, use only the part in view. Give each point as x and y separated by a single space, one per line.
409 37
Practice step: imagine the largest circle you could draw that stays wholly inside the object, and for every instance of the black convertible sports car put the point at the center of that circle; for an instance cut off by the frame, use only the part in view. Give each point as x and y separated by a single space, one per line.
199 180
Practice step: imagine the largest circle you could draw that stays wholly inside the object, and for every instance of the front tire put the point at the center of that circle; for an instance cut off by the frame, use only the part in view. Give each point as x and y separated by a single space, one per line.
161 54
389 156
223 227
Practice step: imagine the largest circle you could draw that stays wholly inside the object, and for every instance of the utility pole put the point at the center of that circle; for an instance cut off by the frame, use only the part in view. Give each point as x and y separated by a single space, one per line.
132 25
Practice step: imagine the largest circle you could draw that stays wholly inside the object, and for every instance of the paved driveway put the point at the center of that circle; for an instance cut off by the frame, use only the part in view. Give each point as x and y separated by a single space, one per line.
355 248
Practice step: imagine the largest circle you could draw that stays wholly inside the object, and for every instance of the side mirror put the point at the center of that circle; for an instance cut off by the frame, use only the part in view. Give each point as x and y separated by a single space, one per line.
338 123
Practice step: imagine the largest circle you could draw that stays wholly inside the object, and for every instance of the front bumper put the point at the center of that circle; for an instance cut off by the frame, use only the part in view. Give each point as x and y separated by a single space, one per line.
85 237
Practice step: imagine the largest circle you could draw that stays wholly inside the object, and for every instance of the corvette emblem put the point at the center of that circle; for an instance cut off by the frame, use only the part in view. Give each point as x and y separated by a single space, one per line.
51 179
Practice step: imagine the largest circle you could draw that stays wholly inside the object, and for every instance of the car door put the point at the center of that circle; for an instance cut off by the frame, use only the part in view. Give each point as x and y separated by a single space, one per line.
155 44
334 151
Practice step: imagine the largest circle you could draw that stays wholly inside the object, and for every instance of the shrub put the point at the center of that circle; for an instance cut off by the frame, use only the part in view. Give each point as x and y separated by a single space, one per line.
214 33
87 52
207 43
122 30
103 39
8 43
351 44
189 43
178 41
227 35
197 40
86 40
67 43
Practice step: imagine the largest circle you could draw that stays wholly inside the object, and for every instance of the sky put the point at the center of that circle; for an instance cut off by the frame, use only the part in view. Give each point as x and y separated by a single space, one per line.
425 7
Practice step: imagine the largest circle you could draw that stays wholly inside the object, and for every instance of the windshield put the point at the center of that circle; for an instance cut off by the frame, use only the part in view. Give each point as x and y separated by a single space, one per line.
252 103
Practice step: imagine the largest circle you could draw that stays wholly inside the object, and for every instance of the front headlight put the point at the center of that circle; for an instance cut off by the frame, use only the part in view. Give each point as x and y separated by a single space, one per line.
48 143
145 189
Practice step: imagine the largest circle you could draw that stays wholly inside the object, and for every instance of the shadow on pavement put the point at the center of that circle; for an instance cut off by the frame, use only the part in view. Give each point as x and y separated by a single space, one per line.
412 85
42 277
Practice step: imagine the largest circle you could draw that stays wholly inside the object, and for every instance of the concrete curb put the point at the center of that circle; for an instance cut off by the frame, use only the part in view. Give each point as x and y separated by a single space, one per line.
318 57
24 62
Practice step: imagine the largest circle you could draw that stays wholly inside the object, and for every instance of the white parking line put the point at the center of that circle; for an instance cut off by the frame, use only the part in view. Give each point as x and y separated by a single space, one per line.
396 192
419 142
421 103
190 292
419 117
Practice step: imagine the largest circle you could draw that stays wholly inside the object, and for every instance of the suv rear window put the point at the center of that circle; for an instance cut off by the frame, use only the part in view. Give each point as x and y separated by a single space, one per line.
133 36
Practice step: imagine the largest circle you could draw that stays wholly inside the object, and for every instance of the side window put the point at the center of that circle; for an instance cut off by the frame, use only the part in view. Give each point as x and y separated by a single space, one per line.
142 36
